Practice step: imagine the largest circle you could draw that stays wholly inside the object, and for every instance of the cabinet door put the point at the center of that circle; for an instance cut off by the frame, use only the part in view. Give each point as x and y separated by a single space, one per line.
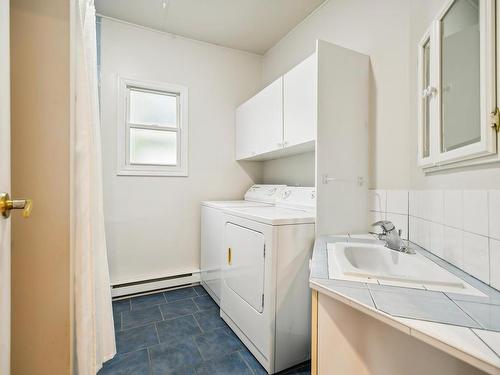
259 122
245 139
300 92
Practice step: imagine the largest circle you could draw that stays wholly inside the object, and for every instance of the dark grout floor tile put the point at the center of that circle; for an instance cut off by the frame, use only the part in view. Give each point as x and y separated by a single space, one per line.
217 343
177 309
230 364
303 371
148 301
121 305
205 302
200 290
252 362
132 319
117 319
179 329
136 338
175 359
135 363
209 320
178 294
179 332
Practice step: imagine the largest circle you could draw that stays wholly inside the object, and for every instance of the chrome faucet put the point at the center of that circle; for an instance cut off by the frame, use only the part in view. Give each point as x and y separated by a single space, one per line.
391 236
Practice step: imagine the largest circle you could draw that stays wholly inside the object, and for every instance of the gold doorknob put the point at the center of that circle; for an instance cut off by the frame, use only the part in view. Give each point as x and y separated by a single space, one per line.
7 204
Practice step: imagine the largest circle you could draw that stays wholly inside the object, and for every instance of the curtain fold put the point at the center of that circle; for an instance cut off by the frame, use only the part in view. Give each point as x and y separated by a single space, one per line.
94 327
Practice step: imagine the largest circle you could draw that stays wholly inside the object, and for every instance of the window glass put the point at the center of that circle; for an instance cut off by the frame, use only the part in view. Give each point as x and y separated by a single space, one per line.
460 76
153 147
152 108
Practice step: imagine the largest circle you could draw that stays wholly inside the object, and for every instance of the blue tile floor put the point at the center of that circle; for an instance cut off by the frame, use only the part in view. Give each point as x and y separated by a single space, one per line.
178 332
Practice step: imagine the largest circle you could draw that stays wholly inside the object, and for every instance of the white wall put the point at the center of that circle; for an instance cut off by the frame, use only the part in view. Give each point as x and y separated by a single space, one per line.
379 29
388 31
152 223
296 170
486 177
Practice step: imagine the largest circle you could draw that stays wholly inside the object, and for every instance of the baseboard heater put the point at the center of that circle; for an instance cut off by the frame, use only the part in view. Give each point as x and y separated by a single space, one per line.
151 285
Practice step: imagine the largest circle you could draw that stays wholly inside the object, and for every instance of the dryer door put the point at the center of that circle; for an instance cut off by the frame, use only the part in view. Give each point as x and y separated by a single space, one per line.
244 272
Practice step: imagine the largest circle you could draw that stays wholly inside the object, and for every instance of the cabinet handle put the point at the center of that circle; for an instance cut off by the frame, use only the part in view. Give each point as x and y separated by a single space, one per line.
229 256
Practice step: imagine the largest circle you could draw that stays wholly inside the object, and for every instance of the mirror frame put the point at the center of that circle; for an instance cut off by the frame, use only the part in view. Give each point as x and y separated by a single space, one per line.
486 149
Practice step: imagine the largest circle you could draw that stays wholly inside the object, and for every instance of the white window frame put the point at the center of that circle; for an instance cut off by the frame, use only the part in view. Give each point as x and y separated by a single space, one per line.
485 150
425 161
124 167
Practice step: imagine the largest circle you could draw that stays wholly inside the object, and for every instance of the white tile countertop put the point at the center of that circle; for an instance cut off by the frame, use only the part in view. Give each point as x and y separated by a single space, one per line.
464 326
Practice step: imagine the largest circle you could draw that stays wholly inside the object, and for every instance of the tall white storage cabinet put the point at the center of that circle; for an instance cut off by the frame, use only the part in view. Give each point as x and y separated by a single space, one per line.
342 140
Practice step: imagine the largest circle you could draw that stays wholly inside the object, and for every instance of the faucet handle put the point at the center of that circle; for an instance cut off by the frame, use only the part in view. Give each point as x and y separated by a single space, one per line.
386 225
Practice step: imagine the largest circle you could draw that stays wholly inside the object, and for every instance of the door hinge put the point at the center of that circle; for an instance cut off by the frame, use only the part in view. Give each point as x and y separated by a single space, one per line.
262 301
264 251
495 119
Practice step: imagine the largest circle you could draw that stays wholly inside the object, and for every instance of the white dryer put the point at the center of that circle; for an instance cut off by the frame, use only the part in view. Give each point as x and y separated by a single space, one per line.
212 232
265 292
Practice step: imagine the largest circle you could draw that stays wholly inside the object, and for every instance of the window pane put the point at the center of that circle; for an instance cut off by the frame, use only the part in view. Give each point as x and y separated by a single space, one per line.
153 108
461 121
427 102
153 147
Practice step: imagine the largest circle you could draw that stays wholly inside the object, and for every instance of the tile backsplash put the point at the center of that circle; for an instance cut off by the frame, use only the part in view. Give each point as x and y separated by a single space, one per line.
460 226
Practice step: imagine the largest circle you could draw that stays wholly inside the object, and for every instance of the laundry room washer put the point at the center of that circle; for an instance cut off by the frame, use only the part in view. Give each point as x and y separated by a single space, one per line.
265 293
212 232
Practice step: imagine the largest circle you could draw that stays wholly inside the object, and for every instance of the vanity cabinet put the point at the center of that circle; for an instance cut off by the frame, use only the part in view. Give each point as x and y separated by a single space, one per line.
346 340
259 122
299 103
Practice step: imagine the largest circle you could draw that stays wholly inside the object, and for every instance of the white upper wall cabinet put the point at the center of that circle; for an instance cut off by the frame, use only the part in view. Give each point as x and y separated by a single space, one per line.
281 119
300 105
259 122
457 87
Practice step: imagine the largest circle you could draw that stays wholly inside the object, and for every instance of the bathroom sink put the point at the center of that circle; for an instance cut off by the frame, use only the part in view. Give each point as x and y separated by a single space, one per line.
373 262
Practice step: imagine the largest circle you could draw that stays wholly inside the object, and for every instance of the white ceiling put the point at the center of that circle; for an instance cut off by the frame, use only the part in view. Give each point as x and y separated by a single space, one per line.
249 25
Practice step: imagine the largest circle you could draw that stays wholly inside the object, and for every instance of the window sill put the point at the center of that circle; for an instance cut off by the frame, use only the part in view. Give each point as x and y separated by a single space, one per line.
446 166
153 173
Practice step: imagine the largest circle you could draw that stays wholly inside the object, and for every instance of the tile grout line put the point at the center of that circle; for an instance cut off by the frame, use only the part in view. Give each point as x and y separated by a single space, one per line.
197 323
245 362
484 342
371 296
161 313
465 312
157 334
149 360
145 324
197 346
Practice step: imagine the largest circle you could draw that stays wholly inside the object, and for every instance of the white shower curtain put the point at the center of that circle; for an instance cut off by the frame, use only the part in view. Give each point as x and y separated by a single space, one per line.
94 329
